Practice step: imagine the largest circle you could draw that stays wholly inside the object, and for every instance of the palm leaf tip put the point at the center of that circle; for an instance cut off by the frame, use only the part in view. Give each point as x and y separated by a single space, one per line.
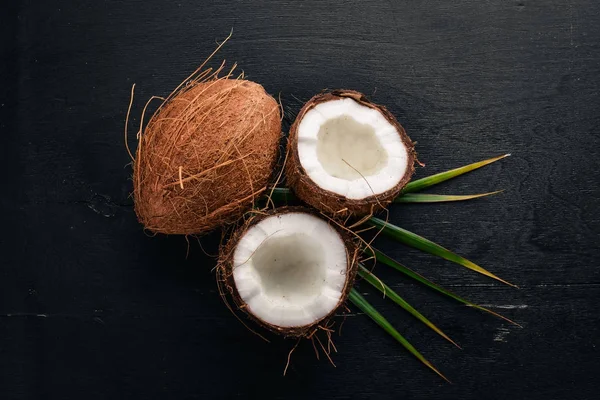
392 295
439 198
424 183
478 307
386 260
418 242
359 301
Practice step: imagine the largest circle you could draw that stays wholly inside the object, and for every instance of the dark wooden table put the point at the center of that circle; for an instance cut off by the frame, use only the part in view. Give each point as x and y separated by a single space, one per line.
91 308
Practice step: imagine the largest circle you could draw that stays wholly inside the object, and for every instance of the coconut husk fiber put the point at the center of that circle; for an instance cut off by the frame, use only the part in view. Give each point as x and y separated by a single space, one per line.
205 156
333 203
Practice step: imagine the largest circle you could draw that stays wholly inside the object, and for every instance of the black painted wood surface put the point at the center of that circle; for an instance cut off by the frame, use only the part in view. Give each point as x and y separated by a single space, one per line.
90 307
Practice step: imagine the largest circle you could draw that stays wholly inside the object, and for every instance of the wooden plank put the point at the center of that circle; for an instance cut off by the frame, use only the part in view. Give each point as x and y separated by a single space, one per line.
90 306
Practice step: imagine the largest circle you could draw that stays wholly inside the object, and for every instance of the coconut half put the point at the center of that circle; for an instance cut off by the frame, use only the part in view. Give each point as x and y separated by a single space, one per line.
347 154
289 270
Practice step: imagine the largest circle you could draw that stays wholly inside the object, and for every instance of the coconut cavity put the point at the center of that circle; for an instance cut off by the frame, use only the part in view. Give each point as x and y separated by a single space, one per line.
348 155
205 156
289 270
348 149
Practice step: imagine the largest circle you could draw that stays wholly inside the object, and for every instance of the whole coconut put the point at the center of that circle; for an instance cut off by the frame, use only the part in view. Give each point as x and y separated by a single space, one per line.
205 156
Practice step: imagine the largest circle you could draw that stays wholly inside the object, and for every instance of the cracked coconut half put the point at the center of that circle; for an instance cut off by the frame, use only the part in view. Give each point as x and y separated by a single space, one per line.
289 271
348 155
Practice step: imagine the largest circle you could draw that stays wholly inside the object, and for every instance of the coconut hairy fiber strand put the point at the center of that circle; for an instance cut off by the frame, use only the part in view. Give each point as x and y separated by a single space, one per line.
359 157
289 270
205 156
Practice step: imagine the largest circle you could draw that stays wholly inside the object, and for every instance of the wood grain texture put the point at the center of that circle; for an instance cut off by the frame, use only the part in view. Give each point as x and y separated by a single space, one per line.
91 308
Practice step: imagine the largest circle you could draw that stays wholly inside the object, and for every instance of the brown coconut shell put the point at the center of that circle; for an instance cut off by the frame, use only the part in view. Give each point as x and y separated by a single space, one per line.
228 287
333 203
205 156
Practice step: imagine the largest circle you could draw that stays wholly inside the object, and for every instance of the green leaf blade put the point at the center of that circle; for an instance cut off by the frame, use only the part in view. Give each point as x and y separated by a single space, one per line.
426 245
424 183
438 198
280 194
359 301
385 259
392 295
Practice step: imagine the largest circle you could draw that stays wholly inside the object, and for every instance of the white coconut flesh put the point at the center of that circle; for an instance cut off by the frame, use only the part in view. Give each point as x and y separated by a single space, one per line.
351 149
290 269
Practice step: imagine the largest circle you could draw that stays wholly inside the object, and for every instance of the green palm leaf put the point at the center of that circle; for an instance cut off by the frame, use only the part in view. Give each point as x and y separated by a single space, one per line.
438 198
359 301
284 194
424 183
383 258
280 194
426 245
392 295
